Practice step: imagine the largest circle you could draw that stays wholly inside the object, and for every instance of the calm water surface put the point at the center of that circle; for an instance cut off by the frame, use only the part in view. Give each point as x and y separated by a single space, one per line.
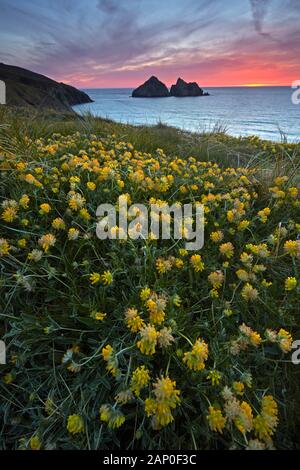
262 111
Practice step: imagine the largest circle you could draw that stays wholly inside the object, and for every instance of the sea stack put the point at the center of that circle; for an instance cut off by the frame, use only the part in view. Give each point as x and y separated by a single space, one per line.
152 88
182 89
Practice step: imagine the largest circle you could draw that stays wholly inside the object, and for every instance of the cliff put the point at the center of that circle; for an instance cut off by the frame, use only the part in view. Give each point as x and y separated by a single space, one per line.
26 88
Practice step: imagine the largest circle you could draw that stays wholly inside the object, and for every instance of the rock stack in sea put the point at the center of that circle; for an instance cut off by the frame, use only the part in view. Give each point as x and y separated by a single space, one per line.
152 88
182 89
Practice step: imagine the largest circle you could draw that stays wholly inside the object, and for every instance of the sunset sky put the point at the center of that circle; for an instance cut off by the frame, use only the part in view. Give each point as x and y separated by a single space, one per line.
111 43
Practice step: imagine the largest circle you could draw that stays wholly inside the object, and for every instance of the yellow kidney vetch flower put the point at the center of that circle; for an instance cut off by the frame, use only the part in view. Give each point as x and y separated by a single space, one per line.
113 417
75 424
216 420
109 356
227 250
133 320
107 278
140 379
197 263
216 278
217 236
266 422
58 224
91 185
9 214
45 208
148 341
292 247
145 293
156 305
35 443
24 201
249 293
4 247
290 283
47 241
165 399
285 340
195 359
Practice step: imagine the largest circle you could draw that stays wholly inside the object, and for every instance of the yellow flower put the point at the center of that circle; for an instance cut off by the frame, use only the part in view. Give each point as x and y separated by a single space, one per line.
4 247
114 418
243 225
195 359
140 379
155 306
290 283
148 340
91 186
197 263
95 278
107 278
166 399
284 340
292 247
238 387
216 420
84 214
133 320
46 241
249 293
24 201
176 300
255 338
145 293
73 234
58 224
35 443
108 355
105 413
45 208
263 214
217 236
266 422
216 278
76 201
35 255
75 424
22 242
9 214
8 378
244 419
98 315
165 391
214 376
227 250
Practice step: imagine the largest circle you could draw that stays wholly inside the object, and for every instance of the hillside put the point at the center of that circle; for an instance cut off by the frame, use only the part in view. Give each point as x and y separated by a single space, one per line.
26 88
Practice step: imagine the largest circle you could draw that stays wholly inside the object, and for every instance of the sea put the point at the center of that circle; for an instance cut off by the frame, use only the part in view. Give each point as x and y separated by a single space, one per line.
268 112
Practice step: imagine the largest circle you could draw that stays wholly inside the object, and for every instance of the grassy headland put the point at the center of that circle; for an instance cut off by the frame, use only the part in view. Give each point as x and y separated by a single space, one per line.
143 344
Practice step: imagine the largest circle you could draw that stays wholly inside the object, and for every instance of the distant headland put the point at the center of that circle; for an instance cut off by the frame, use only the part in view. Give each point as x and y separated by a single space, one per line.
26 88
154 88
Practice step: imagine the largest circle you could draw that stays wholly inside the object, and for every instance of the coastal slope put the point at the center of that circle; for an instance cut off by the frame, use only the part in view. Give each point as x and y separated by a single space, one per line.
26 88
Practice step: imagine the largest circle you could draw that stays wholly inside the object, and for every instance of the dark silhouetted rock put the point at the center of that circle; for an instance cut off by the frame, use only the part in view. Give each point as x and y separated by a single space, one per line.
183 88
26 88
152 88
